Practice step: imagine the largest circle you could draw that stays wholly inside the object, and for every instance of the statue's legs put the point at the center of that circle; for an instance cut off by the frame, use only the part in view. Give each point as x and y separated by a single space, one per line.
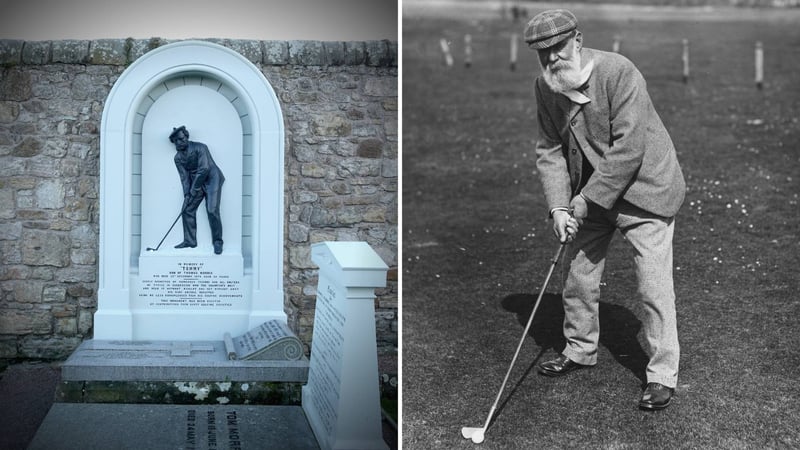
189 218
214 217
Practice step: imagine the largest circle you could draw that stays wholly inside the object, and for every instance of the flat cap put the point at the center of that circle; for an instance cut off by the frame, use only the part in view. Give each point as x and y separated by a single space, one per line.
549 28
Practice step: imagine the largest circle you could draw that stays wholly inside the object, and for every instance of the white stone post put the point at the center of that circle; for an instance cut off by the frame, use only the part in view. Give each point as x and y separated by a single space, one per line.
342 397
685 60
514 49
759 65
468 50
448 57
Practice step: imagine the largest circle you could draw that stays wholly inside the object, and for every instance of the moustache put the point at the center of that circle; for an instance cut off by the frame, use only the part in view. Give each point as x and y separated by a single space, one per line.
559 65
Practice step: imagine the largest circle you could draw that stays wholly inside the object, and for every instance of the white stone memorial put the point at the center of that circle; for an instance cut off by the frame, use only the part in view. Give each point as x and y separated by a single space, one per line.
226 103
342 397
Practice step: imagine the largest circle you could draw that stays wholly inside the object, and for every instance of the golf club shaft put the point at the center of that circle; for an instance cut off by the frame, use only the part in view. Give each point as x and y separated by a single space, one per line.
168 231
524 333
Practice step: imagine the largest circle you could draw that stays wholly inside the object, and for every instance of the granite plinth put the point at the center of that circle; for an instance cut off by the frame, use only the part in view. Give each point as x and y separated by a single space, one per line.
89 426
173 361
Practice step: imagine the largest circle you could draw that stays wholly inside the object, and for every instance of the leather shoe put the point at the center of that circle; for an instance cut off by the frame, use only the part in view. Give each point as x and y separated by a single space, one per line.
217 248
656 397
185 244
559 366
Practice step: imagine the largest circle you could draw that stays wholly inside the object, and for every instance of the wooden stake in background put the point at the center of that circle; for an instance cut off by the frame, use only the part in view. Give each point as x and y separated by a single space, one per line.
467 50
513 51
615 47
759 65
685 60
448 58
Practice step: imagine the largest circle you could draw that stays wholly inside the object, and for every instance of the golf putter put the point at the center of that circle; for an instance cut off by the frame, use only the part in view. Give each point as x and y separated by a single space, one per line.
477 434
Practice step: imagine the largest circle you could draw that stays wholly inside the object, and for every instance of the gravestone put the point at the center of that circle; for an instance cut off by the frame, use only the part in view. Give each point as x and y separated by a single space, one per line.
163 311
228 427
148 289
342 397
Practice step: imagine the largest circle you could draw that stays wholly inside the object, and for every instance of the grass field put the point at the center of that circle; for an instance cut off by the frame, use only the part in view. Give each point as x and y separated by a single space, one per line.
476 244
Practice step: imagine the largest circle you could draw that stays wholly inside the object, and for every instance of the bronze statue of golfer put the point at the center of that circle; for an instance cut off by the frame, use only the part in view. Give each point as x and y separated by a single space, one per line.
201 179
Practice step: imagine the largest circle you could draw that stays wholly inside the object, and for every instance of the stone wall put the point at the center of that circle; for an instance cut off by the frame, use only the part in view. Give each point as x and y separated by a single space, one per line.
340 108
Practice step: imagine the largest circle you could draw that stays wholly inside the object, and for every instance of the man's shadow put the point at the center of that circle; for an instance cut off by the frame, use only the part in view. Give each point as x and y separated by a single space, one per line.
618 330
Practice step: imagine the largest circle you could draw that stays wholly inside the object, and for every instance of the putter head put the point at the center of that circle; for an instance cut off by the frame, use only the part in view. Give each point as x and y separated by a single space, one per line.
476 434
150 249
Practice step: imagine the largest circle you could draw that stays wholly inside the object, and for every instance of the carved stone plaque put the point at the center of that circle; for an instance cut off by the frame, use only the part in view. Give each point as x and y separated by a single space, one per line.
272 340
192 283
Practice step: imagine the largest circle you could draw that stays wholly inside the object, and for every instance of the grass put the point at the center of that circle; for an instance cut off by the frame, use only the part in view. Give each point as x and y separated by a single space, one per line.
476 241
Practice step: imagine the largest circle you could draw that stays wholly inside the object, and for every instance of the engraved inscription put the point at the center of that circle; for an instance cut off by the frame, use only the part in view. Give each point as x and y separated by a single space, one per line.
211 435
270 340
190 284
263 336
327 346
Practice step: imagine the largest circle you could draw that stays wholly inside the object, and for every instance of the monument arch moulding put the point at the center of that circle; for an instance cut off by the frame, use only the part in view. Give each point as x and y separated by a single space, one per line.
226 103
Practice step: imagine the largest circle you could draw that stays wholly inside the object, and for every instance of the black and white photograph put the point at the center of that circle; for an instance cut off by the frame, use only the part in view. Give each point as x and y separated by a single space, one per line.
600 224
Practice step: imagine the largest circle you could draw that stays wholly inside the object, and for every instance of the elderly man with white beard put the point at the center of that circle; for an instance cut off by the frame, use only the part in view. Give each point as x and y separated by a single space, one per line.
606 163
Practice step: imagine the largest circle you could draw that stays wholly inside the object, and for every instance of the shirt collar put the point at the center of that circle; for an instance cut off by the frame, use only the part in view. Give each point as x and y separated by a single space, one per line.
575 95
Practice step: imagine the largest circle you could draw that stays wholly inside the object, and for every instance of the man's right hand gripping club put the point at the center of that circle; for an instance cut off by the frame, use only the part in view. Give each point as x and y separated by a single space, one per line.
565 226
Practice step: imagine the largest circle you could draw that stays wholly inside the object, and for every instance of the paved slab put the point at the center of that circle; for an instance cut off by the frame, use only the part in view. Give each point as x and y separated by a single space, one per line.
26 393
173 361
89 426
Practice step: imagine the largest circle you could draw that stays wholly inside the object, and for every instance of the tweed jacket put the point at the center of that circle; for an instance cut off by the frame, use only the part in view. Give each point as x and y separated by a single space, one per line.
197 169
618 132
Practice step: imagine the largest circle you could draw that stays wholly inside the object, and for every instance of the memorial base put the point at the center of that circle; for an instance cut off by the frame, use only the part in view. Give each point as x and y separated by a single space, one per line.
173 361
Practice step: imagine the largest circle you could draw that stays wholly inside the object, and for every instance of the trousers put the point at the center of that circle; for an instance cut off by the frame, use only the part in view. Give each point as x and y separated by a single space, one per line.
651 238
189 215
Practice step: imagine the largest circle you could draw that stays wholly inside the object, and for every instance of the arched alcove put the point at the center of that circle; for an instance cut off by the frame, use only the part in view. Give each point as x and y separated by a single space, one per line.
194 101
218 87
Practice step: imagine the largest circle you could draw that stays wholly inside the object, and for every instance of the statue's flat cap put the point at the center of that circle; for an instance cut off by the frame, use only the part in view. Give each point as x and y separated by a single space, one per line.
548 28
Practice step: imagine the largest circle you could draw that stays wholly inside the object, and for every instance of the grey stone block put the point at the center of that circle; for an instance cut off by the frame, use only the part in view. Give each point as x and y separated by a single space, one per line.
108 51
120 426
45 248
378 54
276 53
10 231
16 85
70 51
10 52
9 111
355 53
335 53
392 47
248 48
307 53
138 47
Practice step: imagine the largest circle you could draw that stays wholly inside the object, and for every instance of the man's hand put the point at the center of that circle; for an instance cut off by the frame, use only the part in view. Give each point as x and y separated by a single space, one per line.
565 226
580 208
187 199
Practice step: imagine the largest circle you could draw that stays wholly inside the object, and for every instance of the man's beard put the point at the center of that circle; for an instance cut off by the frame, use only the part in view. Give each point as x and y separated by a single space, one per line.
567 74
